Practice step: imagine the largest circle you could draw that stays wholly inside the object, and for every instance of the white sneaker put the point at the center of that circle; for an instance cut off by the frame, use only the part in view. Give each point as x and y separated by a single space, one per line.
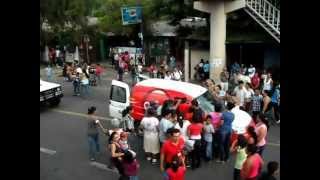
154 161
149 158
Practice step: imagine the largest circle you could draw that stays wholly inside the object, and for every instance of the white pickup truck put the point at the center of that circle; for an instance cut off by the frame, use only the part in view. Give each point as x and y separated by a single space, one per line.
50 93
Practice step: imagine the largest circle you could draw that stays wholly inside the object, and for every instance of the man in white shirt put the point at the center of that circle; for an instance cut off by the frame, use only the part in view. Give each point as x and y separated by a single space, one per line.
116 60
241 93
79 70
251 70
177 74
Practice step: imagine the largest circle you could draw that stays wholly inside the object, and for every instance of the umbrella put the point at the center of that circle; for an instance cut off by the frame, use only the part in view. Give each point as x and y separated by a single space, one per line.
241 120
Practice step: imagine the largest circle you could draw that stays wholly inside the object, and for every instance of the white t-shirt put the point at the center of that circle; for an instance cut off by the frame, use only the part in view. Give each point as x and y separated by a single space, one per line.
57 53
79 70
241 94
245 79
85 81
208 130
140 68
250 93
252 71
164 125
184 129
150 125
267 84
177 75
167 77
116 57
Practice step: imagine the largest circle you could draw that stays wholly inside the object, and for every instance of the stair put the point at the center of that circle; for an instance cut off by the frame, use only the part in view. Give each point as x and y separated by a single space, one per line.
265 14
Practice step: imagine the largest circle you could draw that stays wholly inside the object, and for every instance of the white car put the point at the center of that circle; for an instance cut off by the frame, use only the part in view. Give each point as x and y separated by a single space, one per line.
50 93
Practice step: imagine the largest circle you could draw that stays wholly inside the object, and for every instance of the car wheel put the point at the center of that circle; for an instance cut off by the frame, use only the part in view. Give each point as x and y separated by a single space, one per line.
55 102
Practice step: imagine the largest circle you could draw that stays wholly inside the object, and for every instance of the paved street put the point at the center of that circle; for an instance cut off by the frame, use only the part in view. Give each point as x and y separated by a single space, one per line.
64 146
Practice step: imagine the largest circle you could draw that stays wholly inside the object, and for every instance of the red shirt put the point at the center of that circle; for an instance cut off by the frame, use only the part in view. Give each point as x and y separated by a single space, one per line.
195 129
184 107
170 150
255 81
99 70
179 175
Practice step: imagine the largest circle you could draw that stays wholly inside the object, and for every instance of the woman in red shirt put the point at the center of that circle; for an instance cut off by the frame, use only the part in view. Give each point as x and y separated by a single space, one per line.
177 169
251 168
255 81
194 133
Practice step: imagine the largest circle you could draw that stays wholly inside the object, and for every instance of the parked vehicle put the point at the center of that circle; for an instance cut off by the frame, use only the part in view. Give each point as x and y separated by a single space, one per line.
161 90
50 93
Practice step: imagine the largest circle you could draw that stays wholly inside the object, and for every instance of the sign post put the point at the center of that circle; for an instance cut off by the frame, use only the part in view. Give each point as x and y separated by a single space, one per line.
131 15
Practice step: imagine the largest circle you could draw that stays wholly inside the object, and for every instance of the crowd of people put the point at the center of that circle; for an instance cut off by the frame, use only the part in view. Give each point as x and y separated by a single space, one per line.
185 136
82 76
123 63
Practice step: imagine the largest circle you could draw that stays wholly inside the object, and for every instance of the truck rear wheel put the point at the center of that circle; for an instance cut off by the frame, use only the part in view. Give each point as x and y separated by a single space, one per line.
55 102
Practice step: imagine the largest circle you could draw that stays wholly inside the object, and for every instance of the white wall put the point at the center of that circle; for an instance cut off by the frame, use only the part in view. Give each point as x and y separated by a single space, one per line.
195 56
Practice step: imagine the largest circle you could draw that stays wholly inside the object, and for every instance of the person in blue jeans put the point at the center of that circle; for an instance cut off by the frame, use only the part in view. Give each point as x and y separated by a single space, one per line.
208 133
76 85
225 133
93 134
85 85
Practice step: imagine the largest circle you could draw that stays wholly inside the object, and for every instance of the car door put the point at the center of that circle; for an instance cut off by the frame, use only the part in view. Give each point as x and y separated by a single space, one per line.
119 98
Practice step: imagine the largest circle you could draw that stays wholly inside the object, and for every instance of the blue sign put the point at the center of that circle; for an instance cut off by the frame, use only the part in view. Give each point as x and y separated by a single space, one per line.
131 15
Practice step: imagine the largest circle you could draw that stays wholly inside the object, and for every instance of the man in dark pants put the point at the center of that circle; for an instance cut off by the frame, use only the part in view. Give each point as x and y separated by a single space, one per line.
225 133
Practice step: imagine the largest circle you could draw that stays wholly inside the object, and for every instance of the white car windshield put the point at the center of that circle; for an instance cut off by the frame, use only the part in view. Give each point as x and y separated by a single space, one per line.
206 102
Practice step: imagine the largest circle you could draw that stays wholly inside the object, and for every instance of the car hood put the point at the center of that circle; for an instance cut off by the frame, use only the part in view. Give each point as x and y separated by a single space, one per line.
44 85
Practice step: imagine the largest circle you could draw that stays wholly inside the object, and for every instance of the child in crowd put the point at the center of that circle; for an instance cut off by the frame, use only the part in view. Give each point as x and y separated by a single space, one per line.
208 132
239 147
130 166
272 170
124 141
177 169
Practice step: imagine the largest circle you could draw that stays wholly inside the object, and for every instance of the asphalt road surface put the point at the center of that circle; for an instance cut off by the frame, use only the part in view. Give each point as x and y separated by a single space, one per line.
64 146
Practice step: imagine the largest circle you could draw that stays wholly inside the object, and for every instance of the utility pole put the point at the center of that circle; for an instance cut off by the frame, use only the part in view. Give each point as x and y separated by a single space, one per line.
87 40
141 27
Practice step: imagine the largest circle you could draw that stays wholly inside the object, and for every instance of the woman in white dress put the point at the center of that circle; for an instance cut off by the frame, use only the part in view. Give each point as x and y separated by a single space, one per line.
150 126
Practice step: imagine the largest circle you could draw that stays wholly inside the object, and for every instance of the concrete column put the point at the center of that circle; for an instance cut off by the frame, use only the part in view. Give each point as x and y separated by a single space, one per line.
217 39
186 61
218 10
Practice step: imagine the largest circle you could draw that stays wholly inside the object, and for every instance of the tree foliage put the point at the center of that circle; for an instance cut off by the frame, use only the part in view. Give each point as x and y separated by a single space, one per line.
64 17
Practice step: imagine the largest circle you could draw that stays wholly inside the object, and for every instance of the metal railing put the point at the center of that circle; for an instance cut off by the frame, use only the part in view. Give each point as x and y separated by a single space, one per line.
267 12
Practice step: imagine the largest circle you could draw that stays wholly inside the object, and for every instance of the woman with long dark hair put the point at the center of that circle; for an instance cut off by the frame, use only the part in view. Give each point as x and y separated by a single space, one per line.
194 132
261 129
251 135
115 151
267 105
177 169
252 166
